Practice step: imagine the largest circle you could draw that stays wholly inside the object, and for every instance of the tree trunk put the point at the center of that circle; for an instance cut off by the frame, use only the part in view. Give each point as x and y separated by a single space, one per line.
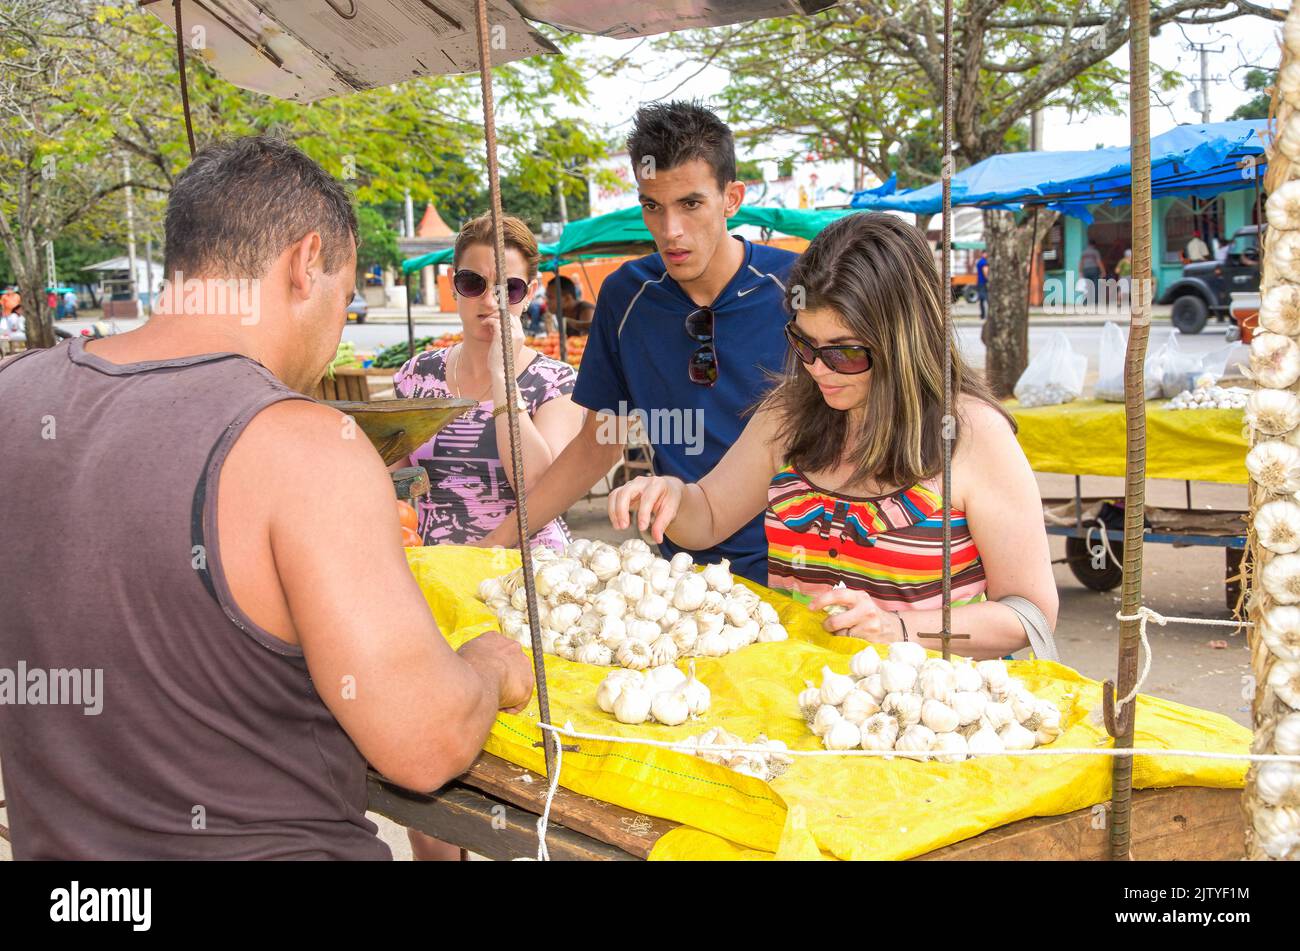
31 287
1010 247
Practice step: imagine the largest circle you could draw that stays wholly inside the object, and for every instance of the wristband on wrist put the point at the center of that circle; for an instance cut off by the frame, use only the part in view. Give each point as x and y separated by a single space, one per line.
901 624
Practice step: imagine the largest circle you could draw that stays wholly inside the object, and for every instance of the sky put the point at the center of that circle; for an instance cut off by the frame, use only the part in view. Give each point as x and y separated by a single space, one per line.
1241 42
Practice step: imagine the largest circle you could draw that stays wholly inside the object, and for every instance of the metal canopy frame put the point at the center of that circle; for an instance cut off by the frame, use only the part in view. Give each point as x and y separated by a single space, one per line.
1120 724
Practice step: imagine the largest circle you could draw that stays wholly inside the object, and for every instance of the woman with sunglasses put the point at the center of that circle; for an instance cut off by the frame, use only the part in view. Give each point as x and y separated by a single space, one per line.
845 459
471 489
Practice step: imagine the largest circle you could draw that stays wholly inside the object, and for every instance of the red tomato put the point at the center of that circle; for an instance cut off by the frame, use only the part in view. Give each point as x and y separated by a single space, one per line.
411 539
407 516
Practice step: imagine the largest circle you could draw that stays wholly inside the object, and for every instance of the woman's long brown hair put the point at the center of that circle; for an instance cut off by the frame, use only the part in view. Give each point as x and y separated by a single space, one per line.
878 274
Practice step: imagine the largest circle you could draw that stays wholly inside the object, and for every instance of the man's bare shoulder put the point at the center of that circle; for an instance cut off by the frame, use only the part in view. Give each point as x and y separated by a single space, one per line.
307 439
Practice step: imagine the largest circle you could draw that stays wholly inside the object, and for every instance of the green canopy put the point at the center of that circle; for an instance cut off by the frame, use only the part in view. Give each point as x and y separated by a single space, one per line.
624 232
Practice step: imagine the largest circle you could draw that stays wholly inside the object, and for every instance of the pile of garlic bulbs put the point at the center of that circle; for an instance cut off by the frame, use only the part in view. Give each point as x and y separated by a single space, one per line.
626 607
659 695
1211 397
768 761
1273 788
912 703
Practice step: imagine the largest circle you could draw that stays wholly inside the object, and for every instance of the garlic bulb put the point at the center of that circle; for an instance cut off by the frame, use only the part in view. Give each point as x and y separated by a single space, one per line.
633 545
1278 784
1016 737
605 563
875 686
1044 723
1277 525
1284 250
810 700
1275 465
637 562
997 714
1286 735
1284 678
1281 576
735 611
1278 832
661 580
613 631
835 687
843 735
985 740
564 616
584 579
631 587
1275 412
904 707
651 607
519 599
1288 140
994 673
714 602
490 589
1283 207
858 705
669 708
967 677
825 718
689 593
713 645
634 655
865 662
607 693
709 622
834 609
936 683
954 744
610 603
772 633
879 732
685 632
767 615
938 716
579 548
907 652
1279 309
590 622
718 576
696 694
736 637
594 653
639 629
916 739
897 677
666 677
663 650
1274 358
681 563
633 704
969 705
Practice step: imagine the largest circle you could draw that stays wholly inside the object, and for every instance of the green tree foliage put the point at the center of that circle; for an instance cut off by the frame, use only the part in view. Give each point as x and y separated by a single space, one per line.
1258 80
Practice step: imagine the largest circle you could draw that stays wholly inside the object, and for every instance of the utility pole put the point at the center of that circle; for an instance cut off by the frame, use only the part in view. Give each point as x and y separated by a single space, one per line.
1200 99
1036 130
130 233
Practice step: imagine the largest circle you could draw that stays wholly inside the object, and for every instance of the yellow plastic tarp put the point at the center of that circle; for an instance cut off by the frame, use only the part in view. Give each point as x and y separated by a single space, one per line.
1086 437
821 807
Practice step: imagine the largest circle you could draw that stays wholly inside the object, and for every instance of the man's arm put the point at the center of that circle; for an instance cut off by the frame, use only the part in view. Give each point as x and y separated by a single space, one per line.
582 464
325 569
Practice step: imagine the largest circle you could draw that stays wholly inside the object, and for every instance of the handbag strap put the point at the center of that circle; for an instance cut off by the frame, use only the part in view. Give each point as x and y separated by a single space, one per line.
1036 627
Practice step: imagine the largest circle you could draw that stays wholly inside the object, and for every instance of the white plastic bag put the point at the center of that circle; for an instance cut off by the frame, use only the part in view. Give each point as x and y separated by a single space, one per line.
1054 375
1111 361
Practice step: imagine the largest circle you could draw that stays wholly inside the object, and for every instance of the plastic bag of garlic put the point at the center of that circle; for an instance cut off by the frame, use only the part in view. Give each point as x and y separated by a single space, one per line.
911 704
627 607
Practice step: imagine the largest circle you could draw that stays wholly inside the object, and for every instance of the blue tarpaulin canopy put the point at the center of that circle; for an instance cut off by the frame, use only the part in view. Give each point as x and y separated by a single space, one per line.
1201 160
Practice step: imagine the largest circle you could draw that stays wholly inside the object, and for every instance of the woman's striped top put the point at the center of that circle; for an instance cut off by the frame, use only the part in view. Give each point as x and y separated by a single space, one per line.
890 546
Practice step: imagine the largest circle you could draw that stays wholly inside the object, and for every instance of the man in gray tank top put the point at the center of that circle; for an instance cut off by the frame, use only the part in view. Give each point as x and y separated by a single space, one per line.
241 633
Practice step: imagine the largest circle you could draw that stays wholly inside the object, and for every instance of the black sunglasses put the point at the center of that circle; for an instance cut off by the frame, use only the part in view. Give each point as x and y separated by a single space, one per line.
703 366
473 284
848 359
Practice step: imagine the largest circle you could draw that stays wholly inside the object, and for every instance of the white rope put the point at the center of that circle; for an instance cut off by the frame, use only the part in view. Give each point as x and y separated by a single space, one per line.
1146 614
1105 541
680 747
543 855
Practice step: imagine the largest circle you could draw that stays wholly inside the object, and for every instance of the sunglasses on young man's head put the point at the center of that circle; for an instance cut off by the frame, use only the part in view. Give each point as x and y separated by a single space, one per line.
842 358
703 366
473 284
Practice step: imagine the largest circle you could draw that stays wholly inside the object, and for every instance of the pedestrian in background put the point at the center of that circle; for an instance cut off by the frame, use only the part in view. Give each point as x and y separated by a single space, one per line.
982 284
1091 268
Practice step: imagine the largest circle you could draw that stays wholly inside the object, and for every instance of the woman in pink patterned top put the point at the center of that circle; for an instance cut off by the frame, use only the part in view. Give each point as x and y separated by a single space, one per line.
471 490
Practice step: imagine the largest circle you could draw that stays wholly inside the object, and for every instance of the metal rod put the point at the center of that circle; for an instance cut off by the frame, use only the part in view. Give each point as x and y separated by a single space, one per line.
410 321
1120 723
949 423
180 65
512 388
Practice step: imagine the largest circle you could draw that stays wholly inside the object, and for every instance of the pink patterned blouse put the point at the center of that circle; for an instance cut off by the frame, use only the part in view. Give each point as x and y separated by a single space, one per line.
469 494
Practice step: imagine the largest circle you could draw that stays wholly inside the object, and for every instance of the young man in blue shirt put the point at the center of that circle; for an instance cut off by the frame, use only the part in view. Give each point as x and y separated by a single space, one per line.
684 338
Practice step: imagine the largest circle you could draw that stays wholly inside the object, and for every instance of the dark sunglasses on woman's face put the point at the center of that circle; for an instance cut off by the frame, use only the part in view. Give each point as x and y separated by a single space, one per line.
848 359
702 370
473 284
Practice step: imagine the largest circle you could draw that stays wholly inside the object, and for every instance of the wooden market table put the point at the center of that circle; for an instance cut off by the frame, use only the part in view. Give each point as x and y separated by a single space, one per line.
493 808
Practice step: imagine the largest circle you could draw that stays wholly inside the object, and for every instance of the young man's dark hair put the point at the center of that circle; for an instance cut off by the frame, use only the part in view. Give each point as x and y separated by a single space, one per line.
670 133
240 203
565 284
